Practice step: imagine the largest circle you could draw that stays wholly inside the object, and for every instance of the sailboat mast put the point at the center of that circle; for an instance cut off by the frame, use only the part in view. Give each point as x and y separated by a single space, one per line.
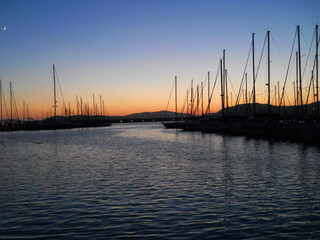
209 94
191 101
187 102
317 69
300 77
294 95
247 94
11 101
77 106
100 106
1 99
93 106
201 98
81 106
275 95
222 91
54 96
88 110
269 106
198 100
225 86
28 112
69 110
24 111
176 96
297 85
103 111
254 78
279 94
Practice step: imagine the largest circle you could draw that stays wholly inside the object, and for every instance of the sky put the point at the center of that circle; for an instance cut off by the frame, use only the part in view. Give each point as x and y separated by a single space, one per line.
130 51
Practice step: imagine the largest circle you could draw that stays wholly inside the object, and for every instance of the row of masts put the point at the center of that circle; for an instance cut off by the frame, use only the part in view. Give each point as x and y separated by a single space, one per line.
298 84
14 113
82 108
198 97
279 94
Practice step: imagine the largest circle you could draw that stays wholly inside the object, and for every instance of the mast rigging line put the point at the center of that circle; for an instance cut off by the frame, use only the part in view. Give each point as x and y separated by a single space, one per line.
204 85
243 76
257 72
201 97
311 80
205 81
234 92
214 85
233 89
64 104
264 44
15 104
5 105
45 101
287 98
286 77
183 106
313 37
193 96
169 99
280 54
228 74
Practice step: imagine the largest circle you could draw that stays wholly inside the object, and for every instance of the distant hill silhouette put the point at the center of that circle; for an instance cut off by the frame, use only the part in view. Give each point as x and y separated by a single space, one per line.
143 115
150 115
240 110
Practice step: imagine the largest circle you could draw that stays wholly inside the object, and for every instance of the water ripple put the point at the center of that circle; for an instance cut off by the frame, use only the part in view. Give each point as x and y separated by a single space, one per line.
142 181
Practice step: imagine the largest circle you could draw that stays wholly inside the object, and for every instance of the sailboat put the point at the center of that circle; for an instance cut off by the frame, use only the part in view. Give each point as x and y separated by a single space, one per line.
63 123
259 125
217 125
305 128
174 124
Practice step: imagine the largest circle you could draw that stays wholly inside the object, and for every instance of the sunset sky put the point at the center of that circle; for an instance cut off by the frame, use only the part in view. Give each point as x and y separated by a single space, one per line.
130 51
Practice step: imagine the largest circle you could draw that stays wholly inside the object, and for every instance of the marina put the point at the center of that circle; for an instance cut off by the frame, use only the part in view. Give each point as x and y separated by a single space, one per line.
55 122
297 123
159 119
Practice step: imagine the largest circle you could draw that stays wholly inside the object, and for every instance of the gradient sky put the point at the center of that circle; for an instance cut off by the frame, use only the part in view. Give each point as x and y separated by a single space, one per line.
130 51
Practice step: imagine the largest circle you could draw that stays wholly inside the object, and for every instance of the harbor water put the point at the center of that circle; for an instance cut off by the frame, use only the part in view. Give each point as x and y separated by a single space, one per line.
143 181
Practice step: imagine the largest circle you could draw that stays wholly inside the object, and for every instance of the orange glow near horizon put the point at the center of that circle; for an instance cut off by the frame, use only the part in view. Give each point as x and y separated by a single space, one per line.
114 109
130 53
127 102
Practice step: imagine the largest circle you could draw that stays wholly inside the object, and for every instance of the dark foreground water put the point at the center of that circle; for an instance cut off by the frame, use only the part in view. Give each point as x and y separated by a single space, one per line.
144 181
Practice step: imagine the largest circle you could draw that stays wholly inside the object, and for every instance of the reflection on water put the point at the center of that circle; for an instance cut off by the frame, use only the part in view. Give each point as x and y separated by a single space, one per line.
144 181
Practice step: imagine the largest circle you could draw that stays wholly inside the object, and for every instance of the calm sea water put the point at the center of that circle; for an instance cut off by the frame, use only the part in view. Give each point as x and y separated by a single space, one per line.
143 181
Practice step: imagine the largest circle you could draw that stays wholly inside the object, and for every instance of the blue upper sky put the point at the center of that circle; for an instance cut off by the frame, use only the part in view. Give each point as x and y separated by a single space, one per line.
129 49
